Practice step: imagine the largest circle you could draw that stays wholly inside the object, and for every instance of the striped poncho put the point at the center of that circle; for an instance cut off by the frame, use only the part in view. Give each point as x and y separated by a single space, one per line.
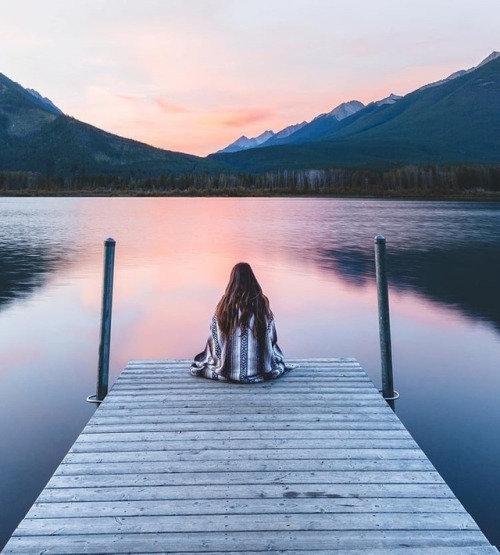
240 357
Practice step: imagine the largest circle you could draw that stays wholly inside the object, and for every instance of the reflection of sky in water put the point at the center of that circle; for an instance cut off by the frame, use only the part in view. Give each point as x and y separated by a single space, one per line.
314 259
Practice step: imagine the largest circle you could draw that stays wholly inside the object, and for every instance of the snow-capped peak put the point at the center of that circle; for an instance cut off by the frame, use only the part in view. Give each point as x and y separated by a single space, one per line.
244 142
345 110
289 130
493 56
391 99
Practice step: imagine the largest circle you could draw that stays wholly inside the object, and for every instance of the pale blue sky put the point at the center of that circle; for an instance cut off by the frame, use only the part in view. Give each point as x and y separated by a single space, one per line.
194 75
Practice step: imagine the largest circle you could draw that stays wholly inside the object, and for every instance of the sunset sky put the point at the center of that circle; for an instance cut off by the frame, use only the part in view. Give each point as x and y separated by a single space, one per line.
194 75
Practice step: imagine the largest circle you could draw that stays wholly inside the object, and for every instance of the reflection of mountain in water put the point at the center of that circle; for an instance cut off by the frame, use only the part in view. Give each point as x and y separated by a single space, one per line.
24 268
462 276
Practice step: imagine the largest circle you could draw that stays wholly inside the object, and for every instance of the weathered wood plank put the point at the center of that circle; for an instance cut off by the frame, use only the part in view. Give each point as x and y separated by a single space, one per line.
318 419
229 426
293 381
206 455
246 396
165 423
229 477
235 542
93 467
248 491
282 434
241 445
482 550
182 389
245 506
162 424
243 410
247 405
339 522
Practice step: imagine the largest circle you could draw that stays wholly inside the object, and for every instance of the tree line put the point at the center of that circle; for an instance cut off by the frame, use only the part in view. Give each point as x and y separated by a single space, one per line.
404 181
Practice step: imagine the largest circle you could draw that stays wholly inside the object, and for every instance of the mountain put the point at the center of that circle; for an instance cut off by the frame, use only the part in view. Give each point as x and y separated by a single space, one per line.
35 136
282 135
265 139
325 124
291 133
459 73
456 121
45 102
320 125
388 100
244 143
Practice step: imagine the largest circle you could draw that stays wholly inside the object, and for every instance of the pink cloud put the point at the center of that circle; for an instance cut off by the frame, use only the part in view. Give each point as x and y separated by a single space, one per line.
170 108
129 97
239 118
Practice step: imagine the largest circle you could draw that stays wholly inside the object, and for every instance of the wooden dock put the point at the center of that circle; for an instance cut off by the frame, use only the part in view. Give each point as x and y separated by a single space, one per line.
315 462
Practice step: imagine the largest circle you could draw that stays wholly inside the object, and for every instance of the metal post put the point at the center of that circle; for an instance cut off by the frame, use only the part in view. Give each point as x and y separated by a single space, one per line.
105 338
383 318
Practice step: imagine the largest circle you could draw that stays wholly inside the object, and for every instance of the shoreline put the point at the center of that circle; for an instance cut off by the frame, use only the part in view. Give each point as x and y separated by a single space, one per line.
486 196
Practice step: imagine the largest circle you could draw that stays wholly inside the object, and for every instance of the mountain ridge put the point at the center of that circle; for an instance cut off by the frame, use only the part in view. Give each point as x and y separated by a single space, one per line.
320 127
457 122
36 136
244 142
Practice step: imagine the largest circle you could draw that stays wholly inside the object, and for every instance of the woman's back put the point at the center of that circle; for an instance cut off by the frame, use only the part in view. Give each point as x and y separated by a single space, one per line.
242 345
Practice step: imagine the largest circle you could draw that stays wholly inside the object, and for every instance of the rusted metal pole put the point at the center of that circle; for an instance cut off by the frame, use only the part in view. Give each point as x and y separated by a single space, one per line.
105 337
384 320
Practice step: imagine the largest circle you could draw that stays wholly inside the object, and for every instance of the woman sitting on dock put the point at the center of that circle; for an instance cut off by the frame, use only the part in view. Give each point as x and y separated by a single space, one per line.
242 346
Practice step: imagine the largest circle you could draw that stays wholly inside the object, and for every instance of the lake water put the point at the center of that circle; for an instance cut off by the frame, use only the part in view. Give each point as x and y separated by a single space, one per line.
314 259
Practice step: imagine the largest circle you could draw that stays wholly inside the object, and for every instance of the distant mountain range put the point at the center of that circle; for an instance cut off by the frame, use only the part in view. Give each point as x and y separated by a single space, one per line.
453 121
290 133
35 136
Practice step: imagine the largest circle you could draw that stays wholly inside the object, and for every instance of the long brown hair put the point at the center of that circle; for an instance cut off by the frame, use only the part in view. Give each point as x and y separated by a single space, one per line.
243 299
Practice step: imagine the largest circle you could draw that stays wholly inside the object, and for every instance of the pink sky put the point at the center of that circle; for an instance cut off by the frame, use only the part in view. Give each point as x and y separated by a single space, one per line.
194 75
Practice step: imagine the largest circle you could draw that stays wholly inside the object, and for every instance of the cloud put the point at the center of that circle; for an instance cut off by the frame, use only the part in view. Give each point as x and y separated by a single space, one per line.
170 108
238 118
130 98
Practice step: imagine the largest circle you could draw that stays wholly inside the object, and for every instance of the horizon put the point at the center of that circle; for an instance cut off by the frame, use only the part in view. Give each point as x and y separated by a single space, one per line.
194 77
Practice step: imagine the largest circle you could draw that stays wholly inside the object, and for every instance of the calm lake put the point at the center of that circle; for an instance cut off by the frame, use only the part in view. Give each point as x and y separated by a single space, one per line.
314 259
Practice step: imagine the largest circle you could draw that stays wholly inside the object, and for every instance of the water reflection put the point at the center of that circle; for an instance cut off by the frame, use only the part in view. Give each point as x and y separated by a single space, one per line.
448 252
36 240
355 265
25 267
463 277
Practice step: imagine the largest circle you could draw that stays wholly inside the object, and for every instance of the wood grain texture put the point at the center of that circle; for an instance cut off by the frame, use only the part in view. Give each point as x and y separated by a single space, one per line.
313 463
